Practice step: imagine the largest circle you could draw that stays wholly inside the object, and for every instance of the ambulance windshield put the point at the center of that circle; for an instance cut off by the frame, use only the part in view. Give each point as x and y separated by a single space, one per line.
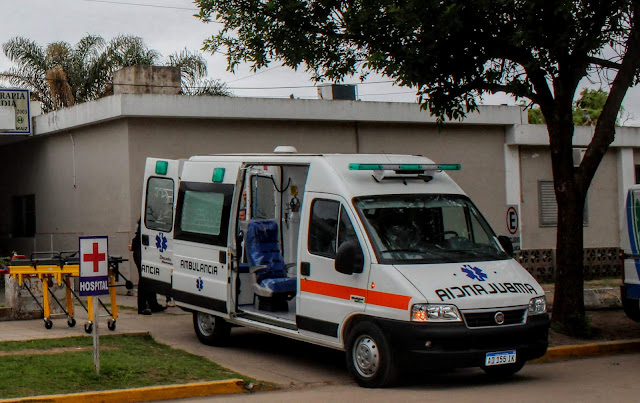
427 229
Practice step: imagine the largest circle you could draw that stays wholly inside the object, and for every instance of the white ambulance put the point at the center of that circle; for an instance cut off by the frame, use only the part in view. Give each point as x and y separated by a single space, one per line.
630 289
382 256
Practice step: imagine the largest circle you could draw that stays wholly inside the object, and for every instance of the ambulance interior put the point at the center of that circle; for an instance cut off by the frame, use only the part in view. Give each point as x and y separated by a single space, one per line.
266 244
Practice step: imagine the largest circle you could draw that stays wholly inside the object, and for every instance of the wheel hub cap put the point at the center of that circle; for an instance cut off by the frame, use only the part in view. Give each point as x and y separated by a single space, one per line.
205 323
366 356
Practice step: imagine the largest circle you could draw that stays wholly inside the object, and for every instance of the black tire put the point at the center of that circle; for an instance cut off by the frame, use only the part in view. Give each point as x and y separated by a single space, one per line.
631 308
71 322
111 325
370 358
48 323
500 372
211 330
88 328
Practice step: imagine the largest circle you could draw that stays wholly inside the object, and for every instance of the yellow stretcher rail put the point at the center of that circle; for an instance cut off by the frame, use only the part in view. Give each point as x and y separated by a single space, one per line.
61 269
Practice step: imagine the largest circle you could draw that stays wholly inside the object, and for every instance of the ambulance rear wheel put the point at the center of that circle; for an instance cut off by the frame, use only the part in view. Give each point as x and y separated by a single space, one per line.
370 357
500 372
211 330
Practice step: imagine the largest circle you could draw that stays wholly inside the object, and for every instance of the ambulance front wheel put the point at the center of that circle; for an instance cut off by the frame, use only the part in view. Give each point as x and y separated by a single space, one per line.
48 323
369 356
211 330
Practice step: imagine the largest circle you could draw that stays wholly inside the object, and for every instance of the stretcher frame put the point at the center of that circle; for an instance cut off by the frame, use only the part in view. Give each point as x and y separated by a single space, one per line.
61 267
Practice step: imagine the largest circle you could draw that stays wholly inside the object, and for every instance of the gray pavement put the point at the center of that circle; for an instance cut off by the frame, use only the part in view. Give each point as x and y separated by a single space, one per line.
601 379
263 356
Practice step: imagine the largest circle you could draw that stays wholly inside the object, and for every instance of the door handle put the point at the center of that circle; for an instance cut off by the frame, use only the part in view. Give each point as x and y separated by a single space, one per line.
145 240
305 268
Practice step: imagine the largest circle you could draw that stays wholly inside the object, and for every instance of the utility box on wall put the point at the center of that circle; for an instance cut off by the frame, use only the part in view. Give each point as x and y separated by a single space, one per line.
344 92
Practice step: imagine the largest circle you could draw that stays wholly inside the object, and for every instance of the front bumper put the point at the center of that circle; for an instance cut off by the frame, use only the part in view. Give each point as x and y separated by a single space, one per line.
454 345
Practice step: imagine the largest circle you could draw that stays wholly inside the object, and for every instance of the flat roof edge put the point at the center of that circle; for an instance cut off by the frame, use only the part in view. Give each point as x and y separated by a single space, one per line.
537 135
206 107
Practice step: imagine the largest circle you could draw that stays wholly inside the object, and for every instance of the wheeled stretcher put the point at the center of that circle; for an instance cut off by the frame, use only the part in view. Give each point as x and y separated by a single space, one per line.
61 267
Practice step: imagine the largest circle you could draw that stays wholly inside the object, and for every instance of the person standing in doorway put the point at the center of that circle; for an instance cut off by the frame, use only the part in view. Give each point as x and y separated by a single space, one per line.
147 302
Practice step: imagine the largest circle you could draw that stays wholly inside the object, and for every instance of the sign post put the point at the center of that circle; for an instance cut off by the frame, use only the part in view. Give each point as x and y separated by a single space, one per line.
513 225
94 281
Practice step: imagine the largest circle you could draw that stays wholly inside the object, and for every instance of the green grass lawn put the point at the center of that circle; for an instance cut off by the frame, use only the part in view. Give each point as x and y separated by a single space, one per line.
125 362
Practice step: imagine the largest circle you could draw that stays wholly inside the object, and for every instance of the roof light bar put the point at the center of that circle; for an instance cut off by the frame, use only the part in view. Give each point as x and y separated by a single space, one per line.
404 167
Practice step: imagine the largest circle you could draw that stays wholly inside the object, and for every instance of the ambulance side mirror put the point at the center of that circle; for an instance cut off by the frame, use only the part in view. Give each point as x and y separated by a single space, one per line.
349 259
506 244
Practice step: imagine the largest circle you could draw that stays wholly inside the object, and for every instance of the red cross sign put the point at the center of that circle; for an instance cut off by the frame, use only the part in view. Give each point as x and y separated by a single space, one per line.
94 266
95 257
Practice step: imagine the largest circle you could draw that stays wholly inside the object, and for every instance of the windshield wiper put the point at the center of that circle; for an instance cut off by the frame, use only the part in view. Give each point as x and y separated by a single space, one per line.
478 253
421 252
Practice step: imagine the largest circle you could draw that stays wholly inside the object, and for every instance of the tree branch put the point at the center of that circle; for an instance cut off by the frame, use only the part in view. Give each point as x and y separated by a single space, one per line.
605 128
607 64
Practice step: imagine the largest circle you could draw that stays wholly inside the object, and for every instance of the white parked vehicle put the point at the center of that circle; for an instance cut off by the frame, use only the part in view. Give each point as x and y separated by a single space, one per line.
630 289
382 256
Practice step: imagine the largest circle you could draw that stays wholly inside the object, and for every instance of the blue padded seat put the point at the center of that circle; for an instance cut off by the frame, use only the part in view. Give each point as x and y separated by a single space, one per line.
267 264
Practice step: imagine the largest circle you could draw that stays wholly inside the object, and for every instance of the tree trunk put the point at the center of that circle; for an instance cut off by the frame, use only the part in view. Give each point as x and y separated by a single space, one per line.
568 315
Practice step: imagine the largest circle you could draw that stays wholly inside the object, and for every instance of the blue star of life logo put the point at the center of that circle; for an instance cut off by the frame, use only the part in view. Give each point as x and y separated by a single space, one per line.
161 242
474 273
199 284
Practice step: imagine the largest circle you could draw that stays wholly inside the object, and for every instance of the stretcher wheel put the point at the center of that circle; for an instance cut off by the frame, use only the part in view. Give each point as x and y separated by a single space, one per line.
48 324
88 327
111 324
71 322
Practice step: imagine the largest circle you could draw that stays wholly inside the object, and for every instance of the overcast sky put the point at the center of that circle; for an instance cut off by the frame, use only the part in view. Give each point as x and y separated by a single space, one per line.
169 26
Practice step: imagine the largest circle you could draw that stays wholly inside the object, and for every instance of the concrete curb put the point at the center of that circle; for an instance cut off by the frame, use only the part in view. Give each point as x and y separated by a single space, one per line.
589 350
143 394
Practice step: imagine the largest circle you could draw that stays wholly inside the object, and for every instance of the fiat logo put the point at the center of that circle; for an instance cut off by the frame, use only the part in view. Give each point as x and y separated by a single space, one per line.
499 318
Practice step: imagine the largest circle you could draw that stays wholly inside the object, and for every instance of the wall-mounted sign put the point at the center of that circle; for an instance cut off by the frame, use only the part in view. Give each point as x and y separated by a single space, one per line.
18 100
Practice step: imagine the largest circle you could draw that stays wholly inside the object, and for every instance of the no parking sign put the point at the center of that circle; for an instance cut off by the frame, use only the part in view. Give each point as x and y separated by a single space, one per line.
94 266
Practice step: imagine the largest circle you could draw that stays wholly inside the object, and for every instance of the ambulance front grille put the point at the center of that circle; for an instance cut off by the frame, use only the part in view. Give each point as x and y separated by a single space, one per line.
488 318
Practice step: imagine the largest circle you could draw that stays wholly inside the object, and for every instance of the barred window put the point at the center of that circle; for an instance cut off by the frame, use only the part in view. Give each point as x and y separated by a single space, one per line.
548 207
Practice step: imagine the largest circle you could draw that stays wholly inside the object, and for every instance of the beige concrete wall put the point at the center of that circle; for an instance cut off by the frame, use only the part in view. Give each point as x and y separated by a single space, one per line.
479 149
91 201
174 138
602 203
482 176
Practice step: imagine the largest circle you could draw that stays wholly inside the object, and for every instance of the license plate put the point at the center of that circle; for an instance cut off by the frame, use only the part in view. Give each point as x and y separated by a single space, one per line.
500 358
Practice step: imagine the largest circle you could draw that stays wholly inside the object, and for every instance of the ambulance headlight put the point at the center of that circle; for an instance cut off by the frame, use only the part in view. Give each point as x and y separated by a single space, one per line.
435 313
538 305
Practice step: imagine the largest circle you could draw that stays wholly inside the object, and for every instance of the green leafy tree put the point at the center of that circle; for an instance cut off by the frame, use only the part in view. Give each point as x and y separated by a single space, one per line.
61 75
453 52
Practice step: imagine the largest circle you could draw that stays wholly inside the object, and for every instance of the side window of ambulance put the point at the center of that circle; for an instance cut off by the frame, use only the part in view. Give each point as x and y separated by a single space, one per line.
158 214
264 202
329 228
203 212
